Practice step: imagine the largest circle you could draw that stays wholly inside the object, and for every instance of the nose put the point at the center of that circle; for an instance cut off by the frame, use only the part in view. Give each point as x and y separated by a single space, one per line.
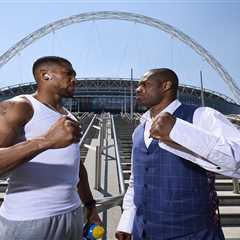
73 80
138 89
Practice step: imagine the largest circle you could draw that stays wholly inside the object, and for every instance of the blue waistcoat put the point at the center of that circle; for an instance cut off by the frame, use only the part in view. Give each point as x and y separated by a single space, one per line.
170 193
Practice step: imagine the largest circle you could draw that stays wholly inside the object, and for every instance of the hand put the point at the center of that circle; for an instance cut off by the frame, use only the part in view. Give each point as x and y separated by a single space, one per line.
92 216
162 126
63 132
122 235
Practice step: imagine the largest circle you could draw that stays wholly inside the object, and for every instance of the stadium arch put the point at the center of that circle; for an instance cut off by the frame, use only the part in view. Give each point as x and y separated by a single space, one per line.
127 16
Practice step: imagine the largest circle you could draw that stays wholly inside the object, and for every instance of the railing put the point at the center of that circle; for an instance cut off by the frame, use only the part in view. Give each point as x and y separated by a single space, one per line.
103 204
119 167
87 130
109 202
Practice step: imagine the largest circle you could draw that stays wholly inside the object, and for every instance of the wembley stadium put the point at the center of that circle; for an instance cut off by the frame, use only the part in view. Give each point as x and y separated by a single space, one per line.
114 95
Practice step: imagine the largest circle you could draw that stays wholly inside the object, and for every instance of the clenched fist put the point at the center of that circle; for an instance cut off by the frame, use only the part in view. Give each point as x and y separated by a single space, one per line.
162 126
63 133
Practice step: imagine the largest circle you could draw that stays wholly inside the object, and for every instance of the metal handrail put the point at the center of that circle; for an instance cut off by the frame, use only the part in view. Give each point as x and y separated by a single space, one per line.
110 202
87 130
119 167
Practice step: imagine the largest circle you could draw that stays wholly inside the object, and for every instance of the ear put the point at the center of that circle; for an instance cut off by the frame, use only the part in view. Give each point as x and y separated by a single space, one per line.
167 85
45 75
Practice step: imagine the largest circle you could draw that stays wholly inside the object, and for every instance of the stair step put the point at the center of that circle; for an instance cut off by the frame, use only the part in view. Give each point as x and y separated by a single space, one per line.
126 181
126 167
230 215
3 188
232 233
219 176
233 210
228 193
229 201
224 187
1 196
3 181
222 180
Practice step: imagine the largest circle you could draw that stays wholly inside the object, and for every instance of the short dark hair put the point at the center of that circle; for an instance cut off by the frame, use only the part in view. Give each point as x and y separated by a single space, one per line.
50 60
165 74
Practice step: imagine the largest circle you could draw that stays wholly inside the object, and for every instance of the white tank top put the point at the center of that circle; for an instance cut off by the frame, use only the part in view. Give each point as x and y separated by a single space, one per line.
46 185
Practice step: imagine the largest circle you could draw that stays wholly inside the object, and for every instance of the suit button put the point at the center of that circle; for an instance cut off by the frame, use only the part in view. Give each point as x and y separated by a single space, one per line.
146 169
145 186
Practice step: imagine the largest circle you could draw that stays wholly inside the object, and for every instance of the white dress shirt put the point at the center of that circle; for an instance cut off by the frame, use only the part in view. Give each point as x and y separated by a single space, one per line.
211 142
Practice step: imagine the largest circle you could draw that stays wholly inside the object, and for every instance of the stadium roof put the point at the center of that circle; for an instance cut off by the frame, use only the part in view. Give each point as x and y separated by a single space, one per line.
109 82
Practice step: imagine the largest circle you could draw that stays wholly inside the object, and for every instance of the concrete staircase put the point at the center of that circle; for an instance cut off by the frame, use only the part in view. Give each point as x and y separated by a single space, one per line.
3 187
229 207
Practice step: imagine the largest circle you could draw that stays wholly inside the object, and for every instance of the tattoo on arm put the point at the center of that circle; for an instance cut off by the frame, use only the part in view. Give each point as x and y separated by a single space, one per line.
3 109
4 106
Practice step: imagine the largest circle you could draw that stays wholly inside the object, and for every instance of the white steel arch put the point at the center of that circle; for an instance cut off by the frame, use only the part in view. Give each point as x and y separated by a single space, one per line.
133 17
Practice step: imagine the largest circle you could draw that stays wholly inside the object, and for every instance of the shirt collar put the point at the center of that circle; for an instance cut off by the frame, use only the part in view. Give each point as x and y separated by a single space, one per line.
171 108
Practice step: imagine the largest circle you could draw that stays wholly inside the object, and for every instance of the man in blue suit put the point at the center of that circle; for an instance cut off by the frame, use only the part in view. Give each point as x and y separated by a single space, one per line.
171 194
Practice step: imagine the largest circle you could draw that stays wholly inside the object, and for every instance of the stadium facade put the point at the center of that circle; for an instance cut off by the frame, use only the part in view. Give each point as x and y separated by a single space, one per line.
114 95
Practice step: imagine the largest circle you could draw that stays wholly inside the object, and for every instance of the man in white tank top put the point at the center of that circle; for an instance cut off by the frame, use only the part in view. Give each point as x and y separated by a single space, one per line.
40 152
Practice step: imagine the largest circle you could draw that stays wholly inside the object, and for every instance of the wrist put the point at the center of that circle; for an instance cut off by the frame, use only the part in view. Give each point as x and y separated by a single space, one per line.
43 143
90 204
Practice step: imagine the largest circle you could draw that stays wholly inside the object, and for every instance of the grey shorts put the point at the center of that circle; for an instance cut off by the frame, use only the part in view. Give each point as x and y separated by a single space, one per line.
66 226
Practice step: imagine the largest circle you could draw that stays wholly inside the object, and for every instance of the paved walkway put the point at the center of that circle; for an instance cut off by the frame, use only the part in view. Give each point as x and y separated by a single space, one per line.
112 186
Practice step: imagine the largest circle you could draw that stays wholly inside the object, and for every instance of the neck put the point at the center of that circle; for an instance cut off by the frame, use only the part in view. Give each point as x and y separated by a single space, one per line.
156 109
52 100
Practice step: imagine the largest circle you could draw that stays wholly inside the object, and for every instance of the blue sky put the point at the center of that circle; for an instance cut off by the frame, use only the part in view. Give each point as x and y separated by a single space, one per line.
110 48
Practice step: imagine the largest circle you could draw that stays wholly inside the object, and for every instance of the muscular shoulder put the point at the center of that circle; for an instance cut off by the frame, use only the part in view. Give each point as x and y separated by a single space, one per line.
16 111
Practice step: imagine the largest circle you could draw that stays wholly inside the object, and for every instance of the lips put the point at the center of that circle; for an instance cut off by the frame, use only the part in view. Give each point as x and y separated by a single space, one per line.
138 96
71 88
140 99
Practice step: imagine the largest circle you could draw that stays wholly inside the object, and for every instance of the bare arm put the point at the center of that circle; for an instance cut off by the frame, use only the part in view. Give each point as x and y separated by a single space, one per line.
83 185
14 114
87 197
13 156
